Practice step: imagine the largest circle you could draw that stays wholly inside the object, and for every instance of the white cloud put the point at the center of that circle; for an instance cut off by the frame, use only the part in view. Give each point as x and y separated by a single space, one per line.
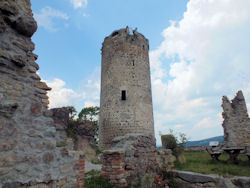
88 93
91 87
91 103
46 18
178 126
59 95
206 123
79 3
209 54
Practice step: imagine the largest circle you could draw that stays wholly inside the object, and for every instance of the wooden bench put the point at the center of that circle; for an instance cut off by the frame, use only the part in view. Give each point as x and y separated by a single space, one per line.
214 150
233 153
214 154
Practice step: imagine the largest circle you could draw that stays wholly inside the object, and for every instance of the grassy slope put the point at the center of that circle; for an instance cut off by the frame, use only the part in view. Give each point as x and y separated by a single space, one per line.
201 162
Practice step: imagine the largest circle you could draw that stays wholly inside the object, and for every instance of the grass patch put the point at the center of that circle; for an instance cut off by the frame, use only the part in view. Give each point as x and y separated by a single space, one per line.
201 162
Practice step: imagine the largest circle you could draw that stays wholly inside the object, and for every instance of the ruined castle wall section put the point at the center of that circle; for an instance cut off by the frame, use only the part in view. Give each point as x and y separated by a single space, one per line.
131 161
236 122
126 99
28 149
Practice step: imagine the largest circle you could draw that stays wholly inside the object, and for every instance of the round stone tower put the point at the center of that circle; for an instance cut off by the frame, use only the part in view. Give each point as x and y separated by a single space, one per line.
126 99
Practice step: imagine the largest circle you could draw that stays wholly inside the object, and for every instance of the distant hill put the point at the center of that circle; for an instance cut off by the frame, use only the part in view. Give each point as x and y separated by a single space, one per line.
205 142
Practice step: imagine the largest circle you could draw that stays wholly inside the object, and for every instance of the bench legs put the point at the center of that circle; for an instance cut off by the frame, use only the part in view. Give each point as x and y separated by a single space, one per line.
215 157
233 156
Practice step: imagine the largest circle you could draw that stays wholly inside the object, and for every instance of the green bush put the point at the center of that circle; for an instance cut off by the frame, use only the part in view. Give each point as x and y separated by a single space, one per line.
168 141
97 182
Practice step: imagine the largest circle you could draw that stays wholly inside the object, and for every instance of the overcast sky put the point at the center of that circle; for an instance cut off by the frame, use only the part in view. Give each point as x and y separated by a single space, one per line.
199 51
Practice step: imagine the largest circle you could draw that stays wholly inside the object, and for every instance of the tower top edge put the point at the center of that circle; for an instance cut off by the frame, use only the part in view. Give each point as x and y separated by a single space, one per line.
126 33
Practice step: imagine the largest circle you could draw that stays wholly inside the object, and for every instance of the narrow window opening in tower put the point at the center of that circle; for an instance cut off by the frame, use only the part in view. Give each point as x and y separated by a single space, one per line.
123 95
143 47
133 62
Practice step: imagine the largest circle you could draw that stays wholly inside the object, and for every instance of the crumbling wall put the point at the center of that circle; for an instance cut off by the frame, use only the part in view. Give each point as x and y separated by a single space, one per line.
134 161
28 149
236 122
84 133
113 167
61 120
86 130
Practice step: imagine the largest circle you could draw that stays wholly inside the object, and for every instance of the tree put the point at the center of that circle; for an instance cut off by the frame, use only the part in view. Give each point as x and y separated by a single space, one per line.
89 113
72 126
72 112
168 141
175 143
182 139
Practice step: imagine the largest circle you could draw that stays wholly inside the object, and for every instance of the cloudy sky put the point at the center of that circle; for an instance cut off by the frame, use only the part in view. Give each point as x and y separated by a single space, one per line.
199 51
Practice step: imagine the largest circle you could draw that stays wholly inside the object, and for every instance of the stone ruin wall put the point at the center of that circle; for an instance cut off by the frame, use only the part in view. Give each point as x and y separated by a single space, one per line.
84 139
125 66
236 122
29 151
134 161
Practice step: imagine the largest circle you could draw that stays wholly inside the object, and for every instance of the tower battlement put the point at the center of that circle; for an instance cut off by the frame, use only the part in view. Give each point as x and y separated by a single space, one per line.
124 35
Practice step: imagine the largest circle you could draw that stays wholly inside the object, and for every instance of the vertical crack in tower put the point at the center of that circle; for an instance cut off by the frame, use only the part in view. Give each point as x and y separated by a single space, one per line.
126 99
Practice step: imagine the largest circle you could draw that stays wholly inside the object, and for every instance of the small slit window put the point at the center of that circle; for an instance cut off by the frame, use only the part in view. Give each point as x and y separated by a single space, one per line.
123 95
133 62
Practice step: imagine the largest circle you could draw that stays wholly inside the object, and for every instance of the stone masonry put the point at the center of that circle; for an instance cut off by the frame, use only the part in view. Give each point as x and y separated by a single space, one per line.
113 167
126 100
29 153
134 161
83 141
236 122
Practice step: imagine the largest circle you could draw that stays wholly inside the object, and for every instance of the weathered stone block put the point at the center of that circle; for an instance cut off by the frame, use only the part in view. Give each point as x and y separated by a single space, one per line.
19 60
65 168
36 108
193 177
48 157
6 145
32 69
8 159
25 25
4 55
